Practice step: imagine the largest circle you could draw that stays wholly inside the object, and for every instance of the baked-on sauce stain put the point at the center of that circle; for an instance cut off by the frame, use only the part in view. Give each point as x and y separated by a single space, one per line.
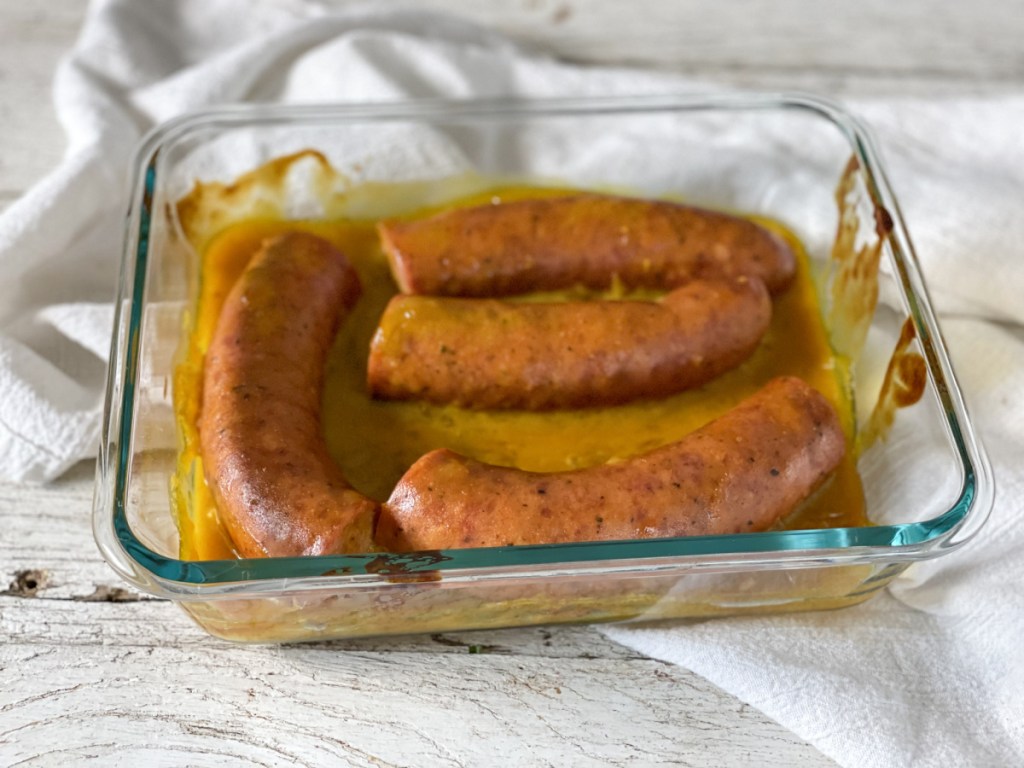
375 442
902 386
854 267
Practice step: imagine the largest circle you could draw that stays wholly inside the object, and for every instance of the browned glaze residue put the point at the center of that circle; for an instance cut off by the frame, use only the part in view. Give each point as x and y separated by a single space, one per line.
854 289
375 442
212 206
902 386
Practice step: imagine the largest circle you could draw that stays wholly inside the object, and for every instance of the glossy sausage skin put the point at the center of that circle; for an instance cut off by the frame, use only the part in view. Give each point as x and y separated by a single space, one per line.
586 239
739 473
489 353
278 491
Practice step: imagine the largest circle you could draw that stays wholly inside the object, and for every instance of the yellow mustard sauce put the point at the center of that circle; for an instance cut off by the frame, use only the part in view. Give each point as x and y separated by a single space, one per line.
374 442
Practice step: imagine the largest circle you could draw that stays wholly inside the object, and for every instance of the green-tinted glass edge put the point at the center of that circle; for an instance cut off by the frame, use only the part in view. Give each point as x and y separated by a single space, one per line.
854 543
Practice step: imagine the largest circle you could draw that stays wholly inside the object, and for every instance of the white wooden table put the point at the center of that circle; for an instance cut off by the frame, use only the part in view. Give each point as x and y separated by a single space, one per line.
90 670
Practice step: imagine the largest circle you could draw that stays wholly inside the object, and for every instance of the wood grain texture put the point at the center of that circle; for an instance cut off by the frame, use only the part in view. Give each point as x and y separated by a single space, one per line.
33 37
841 48
365 707
91 672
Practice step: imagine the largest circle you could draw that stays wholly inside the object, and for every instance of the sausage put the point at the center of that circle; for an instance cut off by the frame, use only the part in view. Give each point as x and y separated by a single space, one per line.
489 353
739 473
278 491
586 239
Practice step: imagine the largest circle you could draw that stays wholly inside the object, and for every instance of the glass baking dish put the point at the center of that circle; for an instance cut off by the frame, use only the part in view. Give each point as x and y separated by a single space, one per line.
796 159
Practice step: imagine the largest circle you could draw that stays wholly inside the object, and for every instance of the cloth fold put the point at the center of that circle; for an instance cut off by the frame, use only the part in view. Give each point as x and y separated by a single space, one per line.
927 674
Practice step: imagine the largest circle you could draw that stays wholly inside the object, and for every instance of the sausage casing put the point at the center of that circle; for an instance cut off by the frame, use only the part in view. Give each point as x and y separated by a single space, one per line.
739 473
489 353
277 489
586 239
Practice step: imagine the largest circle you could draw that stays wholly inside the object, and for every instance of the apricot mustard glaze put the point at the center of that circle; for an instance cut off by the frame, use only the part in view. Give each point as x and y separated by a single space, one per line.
375 442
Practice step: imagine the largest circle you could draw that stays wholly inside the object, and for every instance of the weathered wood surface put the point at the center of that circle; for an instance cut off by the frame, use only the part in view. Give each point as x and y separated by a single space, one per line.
89 669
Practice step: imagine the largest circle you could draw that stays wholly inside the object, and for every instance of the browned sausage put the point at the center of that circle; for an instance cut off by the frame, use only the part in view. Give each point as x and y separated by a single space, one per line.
488 353
278 491
586 239
739 473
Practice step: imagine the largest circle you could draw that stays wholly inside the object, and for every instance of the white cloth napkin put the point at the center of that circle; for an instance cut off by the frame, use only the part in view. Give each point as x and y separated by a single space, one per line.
928 674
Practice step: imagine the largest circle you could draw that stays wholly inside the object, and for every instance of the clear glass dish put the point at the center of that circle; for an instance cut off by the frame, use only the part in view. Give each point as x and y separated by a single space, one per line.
926 480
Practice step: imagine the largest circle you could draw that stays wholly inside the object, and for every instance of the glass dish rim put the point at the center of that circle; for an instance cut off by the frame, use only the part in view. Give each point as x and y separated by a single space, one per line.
167 576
